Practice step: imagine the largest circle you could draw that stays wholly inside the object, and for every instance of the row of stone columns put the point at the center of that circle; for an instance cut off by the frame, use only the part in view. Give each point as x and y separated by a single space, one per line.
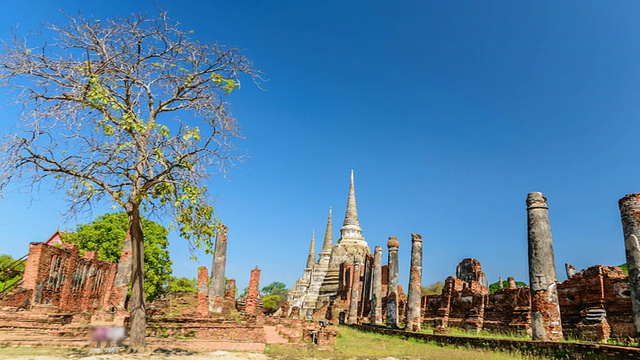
546 322
545 311
414 313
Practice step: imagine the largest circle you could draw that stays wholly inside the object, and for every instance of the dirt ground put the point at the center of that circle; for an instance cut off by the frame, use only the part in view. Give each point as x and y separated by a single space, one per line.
28 353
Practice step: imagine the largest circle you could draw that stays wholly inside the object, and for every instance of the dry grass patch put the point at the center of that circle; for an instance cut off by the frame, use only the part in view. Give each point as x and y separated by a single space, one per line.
34 352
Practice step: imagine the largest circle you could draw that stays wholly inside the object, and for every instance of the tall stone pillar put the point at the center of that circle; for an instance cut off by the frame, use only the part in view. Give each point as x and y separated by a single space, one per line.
216 288
392 288
203 288
414 315
356 285
376 298
253 292
630 215
500 283
545 309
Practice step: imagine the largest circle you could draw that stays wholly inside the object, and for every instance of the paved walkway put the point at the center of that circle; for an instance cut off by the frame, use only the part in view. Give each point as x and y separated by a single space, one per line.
272 336
25 338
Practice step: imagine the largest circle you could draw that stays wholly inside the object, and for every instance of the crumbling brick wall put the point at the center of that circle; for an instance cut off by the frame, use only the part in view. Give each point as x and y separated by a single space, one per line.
508 311
597 287
58 276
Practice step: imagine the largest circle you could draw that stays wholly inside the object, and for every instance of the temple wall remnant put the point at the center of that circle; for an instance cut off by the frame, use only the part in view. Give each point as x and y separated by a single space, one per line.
58 276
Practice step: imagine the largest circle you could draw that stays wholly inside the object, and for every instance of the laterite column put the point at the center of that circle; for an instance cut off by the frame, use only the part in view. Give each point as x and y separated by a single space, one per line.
630 215
392 288
545 309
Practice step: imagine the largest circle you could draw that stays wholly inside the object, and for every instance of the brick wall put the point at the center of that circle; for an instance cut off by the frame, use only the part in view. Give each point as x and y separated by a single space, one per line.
57 276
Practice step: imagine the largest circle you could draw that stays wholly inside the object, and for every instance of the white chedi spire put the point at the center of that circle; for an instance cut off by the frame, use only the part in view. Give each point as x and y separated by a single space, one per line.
351 230
312 251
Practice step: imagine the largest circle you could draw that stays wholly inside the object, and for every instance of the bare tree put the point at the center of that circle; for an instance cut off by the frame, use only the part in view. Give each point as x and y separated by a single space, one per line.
130 111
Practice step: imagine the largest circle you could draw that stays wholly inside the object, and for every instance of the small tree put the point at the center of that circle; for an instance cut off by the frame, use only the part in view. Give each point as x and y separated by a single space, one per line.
273 295
130 111
10 271
433 289
182 285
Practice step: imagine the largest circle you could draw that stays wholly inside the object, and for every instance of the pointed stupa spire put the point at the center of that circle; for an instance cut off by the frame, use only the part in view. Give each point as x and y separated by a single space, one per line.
328 235
312 251
351 227
351 217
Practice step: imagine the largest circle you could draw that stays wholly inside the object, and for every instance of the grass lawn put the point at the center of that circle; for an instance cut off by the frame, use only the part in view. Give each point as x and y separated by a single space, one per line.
352 344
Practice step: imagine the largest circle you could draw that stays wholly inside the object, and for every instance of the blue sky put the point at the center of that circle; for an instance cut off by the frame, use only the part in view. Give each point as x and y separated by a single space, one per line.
449 113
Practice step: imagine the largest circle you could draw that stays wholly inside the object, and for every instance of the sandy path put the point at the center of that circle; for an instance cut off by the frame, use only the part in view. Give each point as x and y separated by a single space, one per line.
219 355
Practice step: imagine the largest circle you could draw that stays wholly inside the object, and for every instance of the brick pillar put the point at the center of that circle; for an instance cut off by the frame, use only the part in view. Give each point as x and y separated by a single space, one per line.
203 289
392 290
356 286
108 287
32 271
376 297
512 282
630 216
123 275
229 295
545 309
253 292
216 290
69 267
414 316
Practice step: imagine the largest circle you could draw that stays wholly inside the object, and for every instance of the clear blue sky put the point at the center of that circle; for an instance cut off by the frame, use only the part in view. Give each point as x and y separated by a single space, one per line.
449 113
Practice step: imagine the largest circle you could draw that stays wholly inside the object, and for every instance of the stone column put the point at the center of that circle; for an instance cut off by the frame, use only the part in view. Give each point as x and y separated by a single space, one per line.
414 315
356 285
545 309
630 215
512 282
216 288
253 292
203 289
392 292
376 298
500 283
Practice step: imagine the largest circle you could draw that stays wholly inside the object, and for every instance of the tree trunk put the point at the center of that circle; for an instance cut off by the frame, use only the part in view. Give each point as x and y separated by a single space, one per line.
137 307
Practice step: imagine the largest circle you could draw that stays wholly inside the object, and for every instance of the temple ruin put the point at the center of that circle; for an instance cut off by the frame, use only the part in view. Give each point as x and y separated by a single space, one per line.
346 283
